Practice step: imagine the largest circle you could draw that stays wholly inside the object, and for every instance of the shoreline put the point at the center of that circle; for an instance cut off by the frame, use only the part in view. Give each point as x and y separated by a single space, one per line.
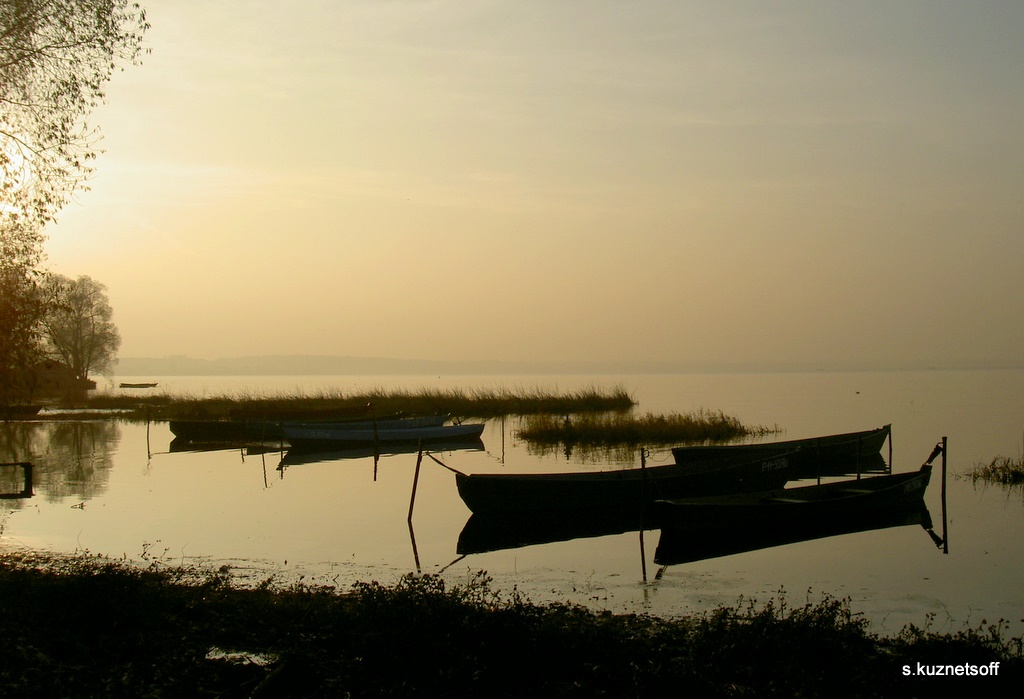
90 625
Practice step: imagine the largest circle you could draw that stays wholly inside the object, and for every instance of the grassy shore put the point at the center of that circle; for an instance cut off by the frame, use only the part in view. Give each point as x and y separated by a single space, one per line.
607 429
480 403
88 627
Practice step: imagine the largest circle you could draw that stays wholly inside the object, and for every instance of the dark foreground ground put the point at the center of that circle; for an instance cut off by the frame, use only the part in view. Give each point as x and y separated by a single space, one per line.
90 628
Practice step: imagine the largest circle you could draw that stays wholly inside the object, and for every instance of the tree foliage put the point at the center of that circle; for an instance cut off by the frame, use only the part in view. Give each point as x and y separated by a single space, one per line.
23 304
55 57
79 329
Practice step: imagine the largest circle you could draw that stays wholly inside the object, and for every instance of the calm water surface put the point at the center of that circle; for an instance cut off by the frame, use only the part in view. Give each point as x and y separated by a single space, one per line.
114 488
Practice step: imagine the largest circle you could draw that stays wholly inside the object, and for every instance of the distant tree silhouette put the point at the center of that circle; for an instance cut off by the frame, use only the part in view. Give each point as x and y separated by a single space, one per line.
79 328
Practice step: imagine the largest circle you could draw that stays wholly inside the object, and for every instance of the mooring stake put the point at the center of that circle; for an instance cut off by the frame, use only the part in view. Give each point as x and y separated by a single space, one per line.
415 482
945 532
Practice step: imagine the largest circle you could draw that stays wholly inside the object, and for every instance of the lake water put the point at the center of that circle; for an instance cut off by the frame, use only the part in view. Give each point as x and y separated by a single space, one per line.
114 488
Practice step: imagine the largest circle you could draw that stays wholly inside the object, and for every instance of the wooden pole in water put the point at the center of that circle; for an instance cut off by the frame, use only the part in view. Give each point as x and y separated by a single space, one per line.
412 503
945 532
643 512
27 489
415 481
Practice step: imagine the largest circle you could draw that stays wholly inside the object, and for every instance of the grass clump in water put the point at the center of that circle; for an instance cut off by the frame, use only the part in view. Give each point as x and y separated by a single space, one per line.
618 429
1002 469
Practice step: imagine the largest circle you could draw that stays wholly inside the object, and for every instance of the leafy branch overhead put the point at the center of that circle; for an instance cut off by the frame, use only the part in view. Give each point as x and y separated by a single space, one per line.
55 57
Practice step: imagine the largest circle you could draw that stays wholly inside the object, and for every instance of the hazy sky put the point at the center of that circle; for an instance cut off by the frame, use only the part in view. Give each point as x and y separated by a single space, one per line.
753 181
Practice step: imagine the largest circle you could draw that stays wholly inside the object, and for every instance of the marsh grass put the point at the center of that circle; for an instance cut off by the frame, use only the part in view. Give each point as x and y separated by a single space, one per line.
480 403
92 627
623 429
1002 469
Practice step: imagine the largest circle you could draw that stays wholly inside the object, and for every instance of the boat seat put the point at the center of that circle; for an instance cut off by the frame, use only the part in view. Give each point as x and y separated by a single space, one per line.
857 491
786 500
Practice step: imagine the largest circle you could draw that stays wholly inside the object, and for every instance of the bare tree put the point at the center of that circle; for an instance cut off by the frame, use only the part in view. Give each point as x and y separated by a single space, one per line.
55 57
79 329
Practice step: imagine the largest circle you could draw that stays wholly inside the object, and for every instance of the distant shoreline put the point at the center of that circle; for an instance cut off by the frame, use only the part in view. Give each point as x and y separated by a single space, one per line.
322 365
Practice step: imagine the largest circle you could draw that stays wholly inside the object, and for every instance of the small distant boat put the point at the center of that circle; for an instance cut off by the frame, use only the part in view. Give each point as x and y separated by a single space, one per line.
502 492
835 454
306 436
125 384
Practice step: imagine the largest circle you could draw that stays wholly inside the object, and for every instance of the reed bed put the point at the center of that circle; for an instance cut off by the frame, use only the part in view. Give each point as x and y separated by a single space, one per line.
479 403
1002 469
623 429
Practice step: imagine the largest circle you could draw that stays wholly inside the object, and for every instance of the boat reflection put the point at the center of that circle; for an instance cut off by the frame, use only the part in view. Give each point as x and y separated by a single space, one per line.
296 456
246 447
500 531
697 540
703 539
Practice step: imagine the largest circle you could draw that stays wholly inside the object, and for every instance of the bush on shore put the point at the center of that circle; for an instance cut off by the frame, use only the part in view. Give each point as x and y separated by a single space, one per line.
91 627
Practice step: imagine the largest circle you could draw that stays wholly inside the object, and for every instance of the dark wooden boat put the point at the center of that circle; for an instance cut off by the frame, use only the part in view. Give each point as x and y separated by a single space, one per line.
491 492
124 384
837 454
22 410
223 430
801 504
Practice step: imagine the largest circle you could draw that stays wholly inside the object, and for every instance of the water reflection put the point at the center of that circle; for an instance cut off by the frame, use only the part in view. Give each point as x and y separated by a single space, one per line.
72 459
496 532
704 539
296 457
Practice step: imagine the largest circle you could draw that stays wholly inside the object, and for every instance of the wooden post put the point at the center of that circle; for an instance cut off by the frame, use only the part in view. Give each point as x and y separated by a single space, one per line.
26 490
415 481
945 532
643 512
643 556
412 503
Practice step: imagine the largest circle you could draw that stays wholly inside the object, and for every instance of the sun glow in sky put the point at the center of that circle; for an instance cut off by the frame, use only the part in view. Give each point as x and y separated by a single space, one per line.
793 182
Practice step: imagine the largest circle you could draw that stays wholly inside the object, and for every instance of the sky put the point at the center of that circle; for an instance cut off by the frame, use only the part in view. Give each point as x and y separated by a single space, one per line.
793 182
